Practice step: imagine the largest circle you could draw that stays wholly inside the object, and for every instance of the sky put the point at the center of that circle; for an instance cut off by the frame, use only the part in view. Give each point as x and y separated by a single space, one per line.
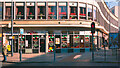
111 3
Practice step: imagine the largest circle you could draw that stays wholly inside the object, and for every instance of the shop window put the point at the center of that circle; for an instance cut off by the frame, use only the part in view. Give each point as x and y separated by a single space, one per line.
87 41
64 41
57 41
70 32
8 11
82 41
41 11
64 32
28 41
62 11
51 43
90 12
71 41
76 32
94 14
35 41
30 11
22 41
19 10
82 14
52 11
73 10
76 41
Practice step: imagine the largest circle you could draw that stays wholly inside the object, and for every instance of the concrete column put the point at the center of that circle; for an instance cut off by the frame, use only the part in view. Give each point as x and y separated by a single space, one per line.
68 10
3 10
47 39
36 10
97 40
25 10
86 11
92 13
78 10
14 11
57 10
46 10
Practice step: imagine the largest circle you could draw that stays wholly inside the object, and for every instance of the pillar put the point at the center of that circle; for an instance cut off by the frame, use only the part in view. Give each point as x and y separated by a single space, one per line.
46 44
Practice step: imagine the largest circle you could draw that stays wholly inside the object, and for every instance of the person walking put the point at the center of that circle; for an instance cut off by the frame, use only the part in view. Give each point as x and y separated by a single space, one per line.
4 52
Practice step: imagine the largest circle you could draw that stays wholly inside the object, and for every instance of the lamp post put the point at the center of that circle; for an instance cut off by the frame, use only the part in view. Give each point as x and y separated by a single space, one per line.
12 28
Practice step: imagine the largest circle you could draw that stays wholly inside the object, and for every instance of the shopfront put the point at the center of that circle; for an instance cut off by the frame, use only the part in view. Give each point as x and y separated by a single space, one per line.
65 41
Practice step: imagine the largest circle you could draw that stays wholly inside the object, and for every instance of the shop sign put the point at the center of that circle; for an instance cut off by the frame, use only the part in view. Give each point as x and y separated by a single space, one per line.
82 32
21 30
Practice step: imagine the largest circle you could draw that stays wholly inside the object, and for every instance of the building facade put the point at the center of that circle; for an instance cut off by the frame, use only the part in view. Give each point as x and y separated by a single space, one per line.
65 23
114 10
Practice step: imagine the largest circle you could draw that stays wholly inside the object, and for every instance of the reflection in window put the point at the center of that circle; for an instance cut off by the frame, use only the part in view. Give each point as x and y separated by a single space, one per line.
19 10
76 41
30 11
41 11
73 10
89 12
35 41
8 11
52 11
82 14
62 11
94 14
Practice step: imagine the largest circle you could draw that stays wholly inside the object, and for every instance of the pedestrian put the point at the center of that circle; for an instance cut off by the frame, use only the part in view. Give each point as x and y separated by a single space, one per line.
4 52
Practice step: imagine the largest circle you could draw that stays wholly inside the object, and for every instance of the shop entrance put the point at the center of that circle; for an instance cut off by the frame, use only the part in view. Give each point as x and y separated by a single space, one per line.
42 45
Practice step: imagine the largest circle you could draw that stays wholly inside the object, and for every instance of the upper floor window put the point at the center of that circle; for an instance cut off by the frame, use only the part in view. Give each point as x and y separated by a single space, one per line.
62 11
19 10
73 10
1 9
94 13
8 11
52 11
82 14
41 9
90 12
30 10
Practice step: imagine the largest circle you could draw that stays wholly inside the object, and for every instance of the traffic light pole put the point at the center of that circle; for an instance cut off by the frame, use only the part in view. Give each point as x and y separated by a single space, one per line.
92 48
12 29
21 48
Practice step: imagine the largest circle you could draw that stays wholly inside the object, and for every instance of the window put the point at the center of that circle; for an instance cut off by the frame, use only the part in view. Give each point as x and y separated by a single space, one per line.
41 11
113 11
73 10
30 11
82 14
52 11
62 11
1 10
8 11
90 12
19 10
94 14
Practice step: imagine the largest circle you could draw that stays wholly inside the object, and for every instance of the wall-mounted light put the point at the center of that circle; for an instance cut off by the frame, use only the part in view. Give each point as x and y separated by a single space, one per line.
58 22
80 22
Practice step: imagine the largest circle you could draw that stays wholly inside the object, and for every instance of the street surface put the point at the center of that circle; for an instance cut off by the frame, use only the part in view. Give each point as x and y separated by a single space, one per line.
65 59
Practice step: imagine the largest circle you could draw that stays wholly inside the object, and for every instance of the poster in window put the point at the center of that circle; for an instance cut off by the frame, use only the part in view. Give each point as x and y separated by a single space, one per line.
57 41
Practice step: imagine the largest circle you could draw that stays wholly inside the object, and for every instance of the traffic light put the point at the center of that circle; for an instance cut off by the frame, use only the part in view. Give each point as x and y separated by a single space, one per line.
92 27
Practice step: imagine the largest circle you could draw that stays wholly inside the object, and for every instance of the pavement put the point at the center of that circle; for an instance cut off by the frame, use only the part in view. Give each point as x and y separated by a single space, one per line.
65 59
